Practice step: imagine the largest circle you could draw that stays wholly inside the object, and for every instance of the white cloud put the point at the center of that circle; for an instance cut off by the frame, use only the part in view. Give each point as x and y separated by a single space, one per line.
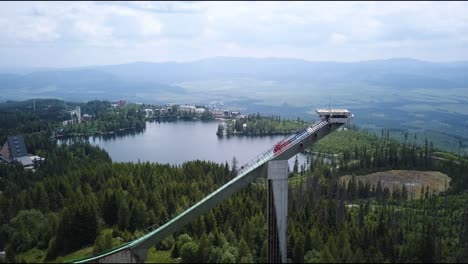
93 29
337 39
187 30
24 29
150 25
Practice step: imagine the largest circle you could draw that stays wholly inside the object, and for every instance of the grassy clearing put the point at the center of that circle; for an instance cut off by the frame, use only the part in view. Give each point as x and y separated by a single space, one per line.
75 255
159 256
87 252
38 256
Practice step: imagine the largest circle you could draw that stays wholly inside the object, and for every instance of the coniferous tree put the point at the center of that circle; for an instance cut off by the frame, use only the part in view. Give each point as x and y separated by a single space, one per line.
204 247
123 215
243 255
296 166
234 167
299 250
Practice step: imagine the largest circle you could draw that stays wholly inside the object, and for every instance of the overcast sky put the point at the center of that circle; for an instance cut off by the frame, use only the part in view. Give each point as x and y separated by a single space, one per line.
93 33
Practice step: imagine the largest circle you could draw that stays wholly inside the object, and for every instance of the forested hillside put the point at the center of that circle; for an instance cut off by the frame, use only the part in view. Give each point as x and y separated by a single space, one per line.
79 198
30 116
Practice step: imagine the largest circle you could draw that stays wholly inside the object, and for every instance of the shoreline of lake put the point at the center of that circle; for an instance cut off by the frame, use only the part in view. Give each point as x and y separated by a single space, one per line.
176 142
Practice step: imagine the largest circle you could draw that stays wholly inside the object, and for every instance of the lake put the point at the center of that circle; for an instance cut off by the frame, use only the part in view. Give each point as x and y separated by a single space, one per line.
180 141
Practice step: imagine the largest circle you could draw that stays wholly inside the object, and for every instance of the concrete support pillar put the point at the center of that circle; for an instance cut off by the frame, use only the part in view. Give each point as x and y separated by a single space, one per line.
277 210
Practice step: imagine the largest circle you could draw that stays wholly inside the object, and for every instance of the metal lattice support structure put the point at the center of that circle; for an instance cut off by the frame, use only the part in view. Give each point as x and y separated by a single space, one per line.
257 167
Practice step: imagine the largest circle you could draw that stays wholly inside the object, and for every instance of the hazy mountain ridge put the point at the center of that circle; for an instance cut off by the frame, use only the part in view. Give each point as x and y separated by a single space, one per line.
80 84
380 72
126 80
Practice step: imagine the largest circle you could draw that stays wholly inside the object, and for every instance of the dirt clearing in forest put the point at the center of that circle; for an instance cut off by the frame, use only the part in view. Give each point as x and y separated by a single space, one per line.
412 179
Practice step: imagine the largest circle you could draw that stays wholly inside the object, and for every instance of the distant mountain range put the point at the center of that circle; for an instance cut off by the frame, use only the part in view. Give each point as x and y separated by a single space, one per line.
404 73
77 84
129 80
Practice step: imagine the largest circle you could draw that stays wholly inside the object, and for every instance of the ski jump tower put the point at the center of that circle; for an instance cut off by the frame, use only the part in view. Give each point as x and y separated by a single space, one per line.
272 164
277 181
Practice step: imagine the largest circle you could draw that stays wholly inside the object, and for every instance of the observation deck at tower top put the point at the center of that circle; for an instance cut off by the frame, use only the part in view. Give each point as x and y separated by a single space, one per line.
334 115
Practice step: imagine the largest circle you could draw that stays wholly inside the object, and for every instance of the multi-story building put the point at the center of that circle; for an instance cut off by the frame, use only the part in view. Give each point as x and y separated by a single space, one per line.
187 108
121 102
76 115
14 149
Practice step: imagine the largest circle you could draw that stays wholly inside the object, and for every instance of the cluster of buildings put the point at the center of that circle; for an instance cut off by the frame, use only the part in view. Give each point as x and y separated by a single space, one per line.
167 109
163 110
77 117
221 113
14 150
188 108
217 112
192 109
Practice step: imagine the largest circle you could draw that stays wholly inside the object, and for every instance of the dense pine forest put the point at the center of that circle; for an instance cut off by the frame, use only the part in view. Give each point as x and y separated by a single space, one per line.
30 116
106 119
78 202
254 125
79 198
